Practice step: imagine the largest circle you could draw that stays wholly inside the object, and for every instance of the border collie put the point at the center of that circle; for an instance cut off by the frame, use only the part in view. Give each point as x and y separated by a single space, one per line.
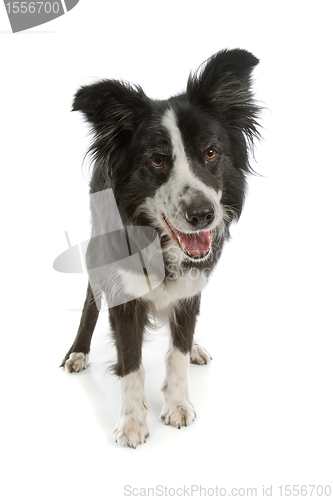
177 166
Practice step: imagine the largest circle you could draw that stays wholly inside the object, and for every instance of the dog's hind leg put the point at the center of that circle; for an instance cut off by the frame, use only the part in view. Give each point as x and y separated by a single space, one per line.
178 409
76 359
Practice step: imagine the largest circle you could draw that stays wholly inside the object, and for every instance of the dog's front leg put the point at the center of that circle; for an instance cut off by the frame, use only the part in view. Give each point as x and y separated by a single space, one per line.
178 409
132 426
128 322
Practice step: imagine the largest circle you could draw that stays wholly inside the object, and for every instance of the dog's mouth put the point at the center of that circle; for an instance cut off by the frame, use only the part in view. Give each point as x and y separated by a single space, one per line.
194 245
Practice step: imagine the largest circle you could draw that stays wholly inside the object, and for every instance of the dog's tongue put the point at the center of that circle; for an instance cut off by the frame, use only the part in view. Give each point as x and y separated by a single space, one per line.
195 243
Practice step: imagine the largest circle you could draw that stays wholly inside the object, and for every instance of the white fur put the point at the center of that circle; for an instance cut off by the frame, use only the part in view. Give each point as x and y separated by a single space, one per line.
167 293
132 427
177 409
77 362
167 198
199 355
171 292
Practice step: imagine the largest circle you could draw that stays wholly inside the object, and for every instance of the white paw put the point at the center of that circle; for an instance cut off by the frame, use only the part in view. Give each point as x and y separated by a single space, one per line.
77 362
199 355
131 432
178 414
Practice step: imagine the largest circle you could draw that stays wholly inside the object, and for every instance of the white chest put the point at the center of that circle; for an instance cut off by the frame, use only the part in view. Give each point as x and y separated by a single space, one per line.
168 292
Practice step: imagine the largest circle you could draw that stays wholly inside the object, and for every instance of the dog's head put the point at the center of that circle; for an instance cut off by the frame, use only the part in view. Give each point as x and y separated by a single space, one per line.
179 164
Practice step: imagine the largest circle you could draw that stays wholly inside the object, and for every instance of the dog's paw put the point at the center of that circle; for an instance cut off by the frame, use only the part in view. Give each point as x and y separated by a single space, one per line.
76 362
199 355
131 432
179 414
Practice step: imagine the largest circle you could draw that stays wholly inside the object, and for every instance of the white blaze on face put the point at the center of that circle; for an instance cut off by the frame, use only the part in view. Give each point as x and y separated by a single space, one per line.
181 165
173 195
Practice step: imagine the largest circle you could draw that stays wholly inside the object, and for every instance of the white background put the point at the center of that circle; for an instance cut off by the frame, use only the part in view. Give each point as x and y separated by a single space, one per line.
264 405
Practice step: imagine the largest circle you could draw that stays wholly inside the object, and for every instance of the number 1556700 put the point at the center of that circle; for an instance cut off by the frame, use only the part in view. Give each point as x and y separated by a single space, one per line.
32 7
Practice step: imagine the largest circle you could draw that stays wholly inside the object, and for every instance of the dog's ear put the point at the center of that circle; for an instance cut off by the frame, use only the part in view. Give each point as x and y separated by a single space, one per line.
111 105
223 86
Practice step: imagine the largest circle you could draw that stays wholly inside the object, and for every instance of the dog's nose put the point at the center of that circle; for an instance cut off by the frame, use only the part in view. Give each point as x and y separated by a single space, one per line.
200 216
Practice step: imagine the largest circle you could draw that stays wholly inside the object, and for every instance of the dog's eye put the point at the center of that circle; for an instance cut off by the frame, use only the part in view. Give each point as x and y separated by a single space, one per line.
210 154
157 162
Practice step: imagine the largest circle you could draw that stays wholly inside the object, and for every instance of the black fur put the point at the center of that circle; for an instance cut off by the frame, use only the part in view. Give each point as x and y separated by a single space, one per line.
218 108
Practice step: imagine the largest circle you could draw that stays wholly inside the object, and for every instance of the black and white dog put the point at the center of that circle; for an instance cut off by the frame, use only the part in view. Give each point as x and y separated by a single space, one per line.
178 166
